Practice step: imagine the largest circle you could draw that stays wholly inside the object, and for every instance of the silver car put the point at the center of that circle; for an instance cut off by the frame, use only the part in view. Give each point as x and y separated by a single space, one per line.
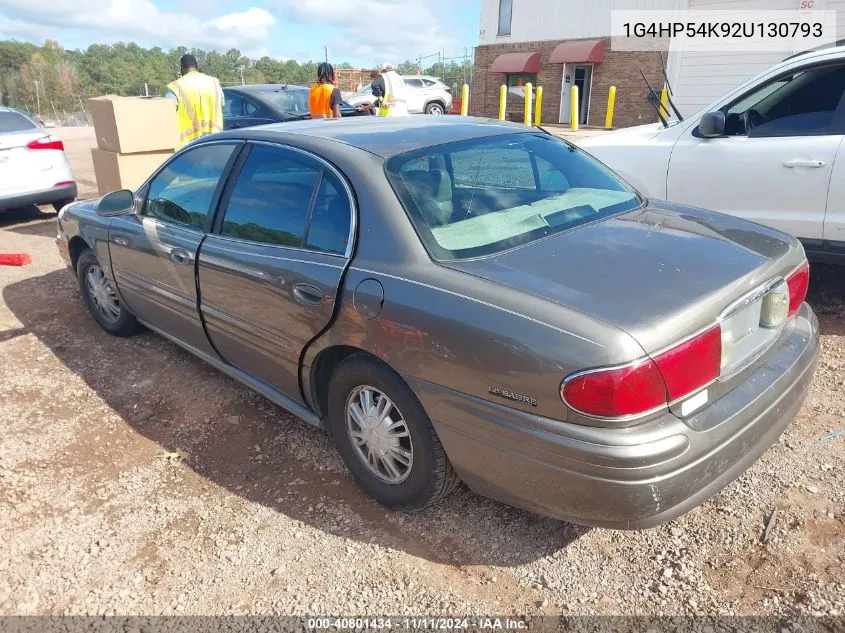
426 95
462 299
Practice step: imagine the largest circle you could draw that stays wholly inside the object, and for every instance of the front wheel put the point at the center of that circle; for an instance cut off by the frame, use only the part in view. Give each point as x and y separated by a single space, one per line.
385 437
101 298
436 109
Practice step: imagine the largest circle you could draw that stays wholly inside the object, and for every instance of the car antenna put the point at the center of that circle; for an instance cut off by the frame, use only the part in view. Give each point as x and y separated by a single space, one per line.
651 100
669 88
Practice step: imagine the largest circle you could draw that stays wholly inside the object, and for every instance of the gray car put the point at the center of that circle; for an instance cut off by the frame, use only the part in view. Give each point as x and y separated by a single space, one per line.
464 299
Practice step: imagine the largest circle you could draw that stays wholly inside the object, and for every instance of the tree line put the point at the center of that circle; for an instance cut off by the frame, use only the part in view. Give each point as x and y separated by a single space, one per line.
50 80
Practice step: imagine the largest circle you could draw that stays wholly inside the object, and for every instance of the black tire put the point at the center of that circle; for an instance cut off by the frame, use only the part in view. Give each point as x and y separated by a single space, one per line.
124 323
57 206
435 108
431 477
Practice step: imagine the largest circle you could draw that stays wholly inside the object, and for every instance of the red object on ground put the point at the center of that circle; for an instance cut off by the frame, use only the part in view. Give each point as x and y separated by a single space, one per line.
14 259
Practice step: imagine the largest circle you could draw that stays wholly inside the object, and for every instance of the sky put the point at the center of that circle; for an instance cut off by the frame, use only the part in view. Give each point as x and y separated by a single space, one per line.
362 32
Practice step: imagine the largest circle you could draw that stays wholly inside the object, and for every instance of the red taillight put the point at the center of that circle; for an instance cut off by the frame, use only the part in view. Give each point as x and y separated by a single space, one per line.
798 282
691 364
47 142
63 183
649 383
620 391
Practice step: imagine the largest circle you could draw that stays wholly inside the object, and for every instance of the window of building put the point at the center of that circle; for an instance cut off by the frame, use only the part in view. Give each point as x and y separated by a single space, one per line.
505 14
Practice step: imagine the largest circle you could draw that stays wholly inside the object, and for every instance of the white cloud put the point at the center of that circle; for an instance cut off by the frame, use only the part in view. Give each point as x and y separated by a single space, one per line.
115 20
378 30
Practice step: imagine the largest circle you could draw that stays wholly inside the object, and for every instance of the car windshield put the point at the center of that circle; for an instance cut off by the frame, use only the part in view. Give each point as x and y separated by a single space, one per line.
14 122
287 100
479 197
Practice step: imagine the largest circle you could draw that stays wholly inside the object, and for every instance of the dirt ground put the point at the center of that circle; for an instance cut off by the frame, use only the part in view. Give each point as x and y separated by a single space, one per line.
135 479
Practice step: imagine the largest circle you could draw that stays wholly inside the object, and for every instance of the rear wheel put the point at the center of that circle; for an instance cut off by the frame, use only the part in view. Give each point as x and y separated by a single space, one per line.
101 298
436 108
59 204
385 437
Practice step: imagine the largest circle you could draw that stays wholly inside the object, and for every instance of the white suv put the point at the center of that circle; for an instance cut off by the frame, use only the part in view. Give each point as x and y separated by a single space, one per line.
33 165
427 95
772 151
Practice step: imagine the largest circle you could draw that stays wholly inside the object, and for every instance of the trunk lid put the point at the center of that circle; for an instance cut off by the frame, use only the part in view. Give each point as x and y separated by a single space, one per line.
22 169
659 273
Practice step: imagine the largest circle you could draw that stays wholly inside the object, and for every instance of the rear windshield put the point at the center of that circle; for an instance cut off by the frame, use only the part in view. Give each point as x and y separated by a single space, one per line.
294 101
479 197
14 122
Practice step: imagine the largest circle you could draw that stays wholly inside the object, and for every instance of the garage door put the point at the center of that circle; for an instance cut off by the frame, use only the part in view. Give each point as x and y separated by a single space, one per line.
701 77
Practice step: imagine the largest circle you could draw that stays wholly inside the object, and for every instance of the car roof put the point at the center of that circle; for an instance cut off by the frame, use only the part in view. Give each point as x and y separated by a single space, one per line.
835 47
385 137
264 87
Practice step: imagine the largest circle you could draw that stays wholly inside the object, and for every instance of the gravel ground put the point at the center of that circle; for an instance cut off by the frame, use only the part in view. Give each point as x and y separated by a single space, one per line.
134 479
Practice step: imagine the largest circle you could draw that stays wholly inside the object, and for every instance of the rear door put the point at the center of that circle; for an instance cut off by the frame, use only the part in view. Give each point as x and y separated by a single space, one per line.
153 252
22 169
269 274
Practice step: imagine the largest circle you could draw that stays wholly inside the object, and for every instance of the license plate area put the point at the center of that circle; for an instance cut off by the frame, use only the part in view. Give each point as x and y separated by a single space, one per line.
744 337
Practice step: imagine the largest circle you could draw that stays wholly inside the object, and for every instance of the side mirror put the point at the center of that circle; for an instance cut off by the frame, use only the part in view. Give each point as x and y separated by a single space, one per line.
116 203
712 125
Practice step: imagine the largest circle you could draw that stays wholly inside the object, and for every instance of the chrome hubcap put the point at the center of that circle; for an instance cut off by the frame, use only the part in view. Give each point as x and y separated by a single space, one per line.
379 434
102 294
436 110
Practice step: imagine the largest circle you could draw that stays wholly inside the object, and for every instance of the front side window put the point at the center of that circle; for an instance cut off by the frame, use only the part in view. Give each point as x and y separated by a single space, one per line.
802 103
183 192
480 197
505 15
271 198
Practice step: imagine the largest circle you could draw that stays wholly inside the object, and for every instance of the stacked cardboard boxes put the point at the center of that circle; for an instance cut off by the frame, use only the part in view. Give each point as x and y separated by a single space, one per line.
134 136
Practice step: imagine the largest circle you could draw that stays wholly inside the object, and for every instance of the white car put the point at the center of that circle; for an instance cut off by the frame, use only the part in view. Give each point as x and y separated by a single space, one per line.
428 95
770 151
33 165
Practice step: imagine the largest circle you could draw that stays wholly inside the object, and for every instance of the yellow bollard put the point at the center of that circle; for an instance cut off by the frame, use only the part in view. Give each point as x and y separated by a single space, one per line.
503 101
573 117
538 107
611 103
529 94
465 100
664 100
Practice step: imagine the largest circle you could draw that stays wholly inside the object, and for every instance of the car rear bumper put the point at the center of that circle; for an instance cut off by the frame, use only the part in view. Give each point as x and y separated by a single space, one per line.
43 196
625 478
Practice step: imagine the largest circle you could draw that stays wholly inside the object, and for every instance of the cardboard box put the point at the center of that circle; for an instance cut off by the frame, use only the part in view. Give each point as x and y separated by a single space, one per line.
115 171
134 124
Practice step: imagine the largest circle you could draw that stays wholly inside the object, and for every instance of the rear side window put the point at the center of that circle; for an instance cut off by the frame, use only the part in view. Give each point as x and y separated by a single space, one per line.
14 122
271 197
329 227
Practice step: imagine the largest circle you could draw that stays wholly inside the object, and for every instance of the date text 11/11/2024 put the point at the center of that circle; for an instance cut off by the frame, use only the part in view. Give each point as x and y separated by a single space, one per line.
416 624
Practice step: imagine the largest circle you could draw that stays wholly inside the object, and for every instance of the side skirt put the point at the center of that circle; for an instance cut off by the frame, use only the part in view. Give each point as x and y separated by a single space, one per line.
256 385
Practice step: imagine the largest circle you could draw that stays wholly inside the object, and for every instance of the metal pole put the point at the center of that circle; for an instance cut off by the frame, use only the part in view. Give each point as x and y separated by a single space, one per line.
573 122
146 90
242 76
37 96
538 108
503 101
528 97
611 104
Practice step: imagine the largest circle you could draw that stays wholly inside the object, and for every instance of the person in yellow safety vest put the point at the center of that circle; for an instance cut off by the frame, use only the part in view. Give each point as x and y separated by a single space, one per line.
395 101
199 102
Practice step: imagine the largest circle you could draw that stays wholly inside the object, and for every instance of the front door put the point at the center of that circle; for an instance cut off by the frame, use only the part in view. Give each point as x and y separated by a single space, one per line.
153 252
774 163
270 271
580 75
566 94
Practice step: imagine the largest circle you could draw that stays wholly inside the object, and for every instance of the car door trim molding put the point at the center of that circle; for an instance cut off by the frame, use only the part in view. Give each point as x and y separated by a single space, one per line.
479 301
270 256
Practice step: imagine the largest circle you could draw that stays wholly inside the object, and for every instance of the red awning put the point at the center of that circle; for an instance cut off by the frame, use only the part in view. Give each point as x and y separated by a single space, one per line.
517 63
590 51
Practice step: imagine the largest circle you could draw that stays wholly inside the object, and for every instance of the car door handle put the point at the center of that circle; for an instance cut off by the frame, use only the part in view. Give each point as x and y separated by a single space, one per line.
181 256
308 294
804 163
120 241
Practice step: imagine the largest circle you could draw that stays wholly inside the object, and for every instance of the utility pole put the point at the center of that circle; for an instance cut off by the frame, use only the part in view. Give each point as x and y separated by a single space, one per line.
242 76
37 96
326 48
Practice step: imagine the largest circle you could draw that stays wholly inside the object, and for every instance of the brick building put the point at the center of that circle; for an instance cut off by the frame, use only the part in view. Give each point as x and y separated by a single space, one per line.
560 43
557 65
